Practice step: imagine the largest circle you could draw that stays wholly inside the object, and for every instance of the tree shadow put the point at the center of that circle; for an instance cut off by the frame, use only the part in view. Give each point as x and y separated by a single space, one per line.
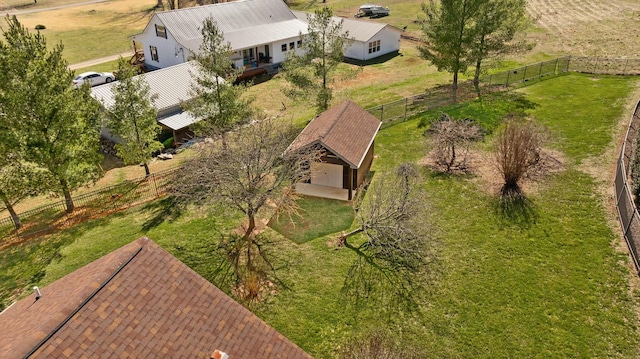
513 207
162 210
378 60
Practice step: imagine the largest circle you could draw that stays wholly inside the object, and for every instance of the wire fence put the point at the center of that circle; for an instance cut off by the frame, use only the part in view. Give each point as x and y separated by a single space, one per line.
401 110
627 211
130 193
92 204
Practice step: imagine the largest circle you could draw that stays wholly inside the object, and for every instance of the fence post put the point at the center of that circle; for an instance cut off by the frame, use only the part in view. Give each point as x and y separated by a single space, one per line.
524 75
624 71
555 67
382 113
490 78
155 184
406 107
595 65
568 63
540 71
508 73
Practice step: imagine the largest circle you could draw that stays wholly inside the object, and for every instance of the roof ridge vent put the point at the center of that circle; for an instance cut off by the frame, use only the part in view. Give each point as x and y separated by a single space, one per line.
219 355
37 291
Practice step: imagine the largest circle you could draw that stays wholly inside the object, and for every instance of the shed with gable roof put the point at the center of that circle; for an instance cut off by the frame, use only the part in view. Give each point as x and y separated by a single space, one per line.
345 133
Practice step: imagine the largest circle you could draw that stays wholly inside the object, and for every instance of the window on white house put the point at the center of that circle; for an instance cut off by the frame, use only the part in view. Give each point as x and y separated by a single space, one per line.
161 31
154 53
291 45
299 44
284 47
374 46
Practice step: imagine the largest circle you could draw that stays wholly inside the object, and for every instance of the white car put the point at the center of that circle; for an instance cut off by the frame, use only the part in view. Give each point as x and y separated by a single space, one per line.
93 78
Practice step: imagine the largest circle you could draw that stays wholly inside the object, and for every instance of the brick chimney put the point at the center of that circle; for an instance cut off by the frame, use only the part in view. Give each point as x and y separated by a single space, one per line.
219 355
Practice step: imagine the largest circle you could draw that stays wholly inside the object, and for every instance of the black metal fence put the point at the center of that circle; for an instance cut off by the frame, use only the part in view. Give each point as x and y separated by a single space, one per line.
627 211
398 111
108 199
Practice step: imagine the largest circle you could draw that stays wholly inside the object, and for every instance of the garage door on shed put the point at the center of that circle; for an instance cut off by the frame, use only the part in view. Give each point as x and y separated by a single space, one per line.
326 174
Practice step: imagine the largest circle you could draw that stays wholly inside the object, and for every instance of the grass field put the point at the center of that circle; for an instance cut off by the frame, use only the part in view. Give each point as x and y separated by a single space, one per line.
92 31
546 284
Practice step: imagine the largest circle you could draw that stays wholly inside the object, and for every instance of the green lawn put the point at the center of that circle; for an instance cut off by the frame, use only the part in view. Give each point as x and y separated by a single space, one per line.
316 217
548 285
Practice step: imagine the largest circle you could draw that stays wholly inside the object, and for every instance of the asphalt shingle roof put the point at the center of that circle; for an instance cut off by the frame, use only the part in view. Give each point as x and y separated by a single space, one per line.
137 302
347 130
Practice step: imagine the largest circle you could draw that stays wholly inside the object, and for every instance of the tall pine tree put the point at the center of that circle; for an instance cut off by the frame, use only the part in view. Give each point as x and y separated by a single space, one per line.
133 118
57 126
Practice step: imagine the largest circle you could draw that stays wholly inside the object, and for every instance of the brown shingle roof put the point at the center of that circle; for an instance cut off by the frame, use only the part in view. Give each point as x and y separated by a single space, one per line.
153 307
347 130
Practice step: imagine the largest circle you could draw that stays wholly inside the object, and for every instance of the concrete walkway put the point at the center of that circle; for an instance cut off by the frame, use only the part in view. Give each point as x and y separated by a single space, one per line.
127 55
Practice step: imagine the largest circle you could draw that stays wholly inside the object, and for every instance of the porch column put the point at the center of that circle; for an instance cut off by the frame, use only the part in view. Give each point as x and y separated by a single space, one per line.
350 186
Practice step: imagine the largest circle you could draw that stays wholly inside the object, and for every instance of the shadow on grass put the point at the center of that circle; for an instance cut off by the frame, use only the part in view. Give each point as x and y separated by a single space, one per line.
28 260
378 60
513 207
161 210
317 217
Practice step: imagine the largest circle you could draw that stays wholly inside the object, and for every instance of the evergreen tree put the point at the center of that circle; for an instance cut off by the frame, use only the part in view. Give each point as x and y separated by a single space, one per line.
310 72
497 26
57 126
217 99
448 35
133 118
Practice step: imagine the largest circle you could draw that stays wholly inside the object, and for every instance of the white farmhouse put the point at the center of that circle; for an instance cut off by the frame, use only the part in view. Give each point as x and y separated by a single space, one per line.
370 39
260 32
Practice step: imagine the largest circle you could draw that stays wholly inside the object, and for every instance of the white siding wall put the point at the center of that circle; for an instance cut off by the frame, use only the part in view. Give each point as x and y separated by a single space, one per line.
389 42
167 48
356 50
278 55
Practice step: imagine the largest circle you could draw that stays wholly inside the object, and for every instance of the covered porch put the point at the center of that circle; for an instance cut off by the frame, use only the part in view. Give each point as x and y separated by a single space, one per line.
314 190
256 56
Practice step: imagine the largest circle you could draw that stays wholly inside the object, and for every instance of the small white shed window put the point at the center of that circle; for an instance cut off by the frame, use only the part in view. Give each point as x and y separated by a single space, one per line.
374 46
284 47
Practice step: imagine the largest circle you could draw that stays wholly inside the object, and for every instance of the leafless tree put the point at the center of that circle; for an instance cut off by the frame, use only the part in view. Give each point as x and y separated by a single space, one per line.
248 170
452 138
518 150
396 243
378 345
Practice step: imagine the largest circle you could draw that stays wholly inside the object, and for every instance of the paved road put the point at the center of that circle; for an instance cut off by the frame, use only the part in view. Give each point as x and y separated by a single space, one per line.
101 60
22 12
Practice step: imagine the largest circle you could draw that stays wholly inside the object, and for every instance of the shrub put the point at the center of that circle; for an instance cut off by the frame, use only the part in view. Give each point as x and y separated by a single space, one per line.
518 150
40 27
452 138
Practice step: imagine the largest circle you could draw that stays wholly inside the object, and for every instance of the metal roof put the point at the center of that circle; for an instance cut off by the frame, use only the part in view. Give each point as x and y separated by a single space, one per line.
172 85
177 121
264 34
360 30
185 24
